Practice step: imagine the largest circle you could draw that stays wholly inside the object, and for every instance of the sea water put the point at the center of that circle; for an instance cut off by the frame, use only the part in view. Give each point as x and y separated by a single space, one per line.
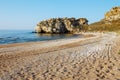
19 36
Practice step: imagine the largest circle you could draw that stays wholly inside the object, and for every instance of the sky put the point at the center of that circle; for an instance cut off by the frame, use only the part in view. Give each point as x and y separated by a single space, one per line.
25 14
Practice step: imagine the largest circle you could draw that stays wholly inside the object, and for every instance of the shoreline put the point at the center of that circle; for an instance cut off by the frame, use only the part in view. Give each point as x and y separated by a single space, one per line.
41 60
86 35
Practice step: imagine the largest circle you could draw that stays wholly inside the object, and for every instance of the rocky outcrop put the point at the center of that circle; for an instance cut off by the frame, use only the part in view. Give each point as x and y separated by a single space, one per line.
113 14
61 25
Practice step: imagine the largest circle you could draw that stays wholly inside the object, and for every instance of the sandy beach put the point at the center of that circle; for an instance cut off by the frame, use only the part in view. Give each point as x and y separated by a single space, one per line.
89 58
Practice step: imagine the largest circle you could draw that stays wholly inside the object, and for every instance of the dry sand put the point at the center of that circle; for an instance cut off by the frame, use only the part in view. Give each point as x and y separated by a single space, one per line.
89 58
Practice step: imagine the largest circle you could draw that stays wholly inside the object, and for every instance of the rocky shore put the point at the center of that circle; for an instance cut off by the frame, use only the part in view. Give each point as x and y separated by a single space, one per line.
89 58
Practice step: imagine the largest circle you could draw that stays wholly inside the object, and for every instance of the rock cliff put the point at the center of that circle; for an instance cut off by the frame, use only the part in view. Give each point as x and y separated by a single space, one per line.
113 14
61 25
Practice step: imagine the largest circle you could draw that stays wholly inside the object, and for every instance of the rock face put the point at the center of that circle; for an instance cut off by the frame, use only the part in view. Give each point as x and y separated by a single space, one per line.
113 14
61 25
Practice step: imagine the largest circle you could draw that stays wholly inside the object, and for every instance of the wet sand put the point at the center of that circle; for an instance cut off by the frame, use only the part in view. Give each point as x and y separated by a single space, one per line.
89 58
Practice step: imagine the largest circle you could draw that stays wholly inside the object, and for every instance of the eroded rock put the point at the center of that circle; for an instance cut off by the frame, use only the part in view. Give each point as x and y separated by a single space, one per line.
113 14
61 25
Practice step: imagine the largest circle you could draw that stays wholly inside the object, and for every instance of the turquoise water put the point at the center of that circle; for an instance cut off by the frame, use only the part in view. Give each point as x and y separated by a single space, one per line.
19 36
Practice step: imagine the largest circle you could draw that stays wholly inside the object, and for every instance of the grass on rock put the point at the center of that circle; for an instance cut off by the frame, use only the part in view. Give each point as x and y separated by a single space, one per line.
104 26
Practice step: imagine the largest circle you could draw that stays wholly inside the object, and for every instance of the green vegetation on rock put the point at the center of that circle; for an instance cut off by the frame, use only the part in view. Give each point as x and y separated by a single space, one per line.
105 26
111 22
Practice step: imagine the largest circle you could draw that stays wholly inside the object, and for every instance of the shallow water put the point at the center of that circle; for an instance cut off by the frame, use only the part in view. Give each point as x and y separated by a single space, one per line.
19 36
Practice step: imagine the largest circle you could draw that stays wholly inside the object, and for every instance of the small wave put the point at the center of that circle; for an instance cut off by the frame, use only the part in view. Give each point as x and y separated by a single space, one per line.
1 38
9 37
